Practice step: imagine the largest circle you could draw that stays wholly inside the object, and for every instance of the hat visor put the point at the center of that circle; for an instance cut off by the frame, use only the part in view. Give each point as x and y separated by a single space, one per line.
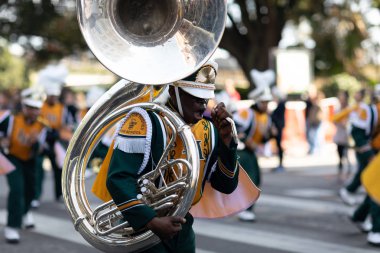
199 93
53 93
32 103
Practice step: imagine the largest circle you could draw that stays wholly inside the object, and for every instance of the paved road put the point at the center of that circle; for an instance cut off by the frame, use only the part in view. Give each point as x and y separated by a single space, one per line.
299 211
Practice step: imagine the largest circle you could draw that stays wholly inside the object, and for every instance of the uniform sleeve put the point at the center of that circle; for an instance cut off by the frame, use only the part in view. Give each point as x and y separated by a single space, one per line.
122 185
129 160
342 115
224 172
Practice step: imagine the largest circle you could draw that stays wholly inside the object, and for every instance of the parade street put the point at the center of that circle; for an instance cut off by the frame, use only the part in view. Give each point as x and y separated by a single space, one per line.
299 211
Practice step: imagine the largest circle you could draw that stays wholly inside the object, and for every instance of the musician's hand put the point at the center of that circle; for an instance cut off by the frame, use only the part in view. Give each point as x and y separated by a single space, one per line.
219 114
166 227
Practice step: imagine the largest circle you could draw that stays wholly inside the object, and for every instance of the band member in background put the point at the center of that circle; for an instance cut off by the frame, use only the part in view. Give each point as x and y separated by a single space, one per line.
278 125
58 120
360 117
140 143
69 100
367 214
22 139
61 121
253 126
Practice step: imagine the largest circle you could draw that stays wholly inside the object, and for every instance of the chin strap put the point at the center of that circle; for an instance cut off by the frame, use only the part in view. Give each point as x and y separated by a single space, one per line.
179 105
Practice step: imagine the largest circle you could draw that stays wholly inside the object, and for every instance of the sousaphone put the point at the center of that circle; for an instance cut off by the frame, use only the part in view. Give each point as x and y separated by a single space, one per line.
146 43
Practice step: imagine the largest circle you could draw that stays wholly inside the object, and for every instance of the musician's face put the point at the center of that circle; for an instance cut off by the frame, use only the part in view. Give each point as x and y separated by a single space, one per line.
31 113
192 107
263 106
52 99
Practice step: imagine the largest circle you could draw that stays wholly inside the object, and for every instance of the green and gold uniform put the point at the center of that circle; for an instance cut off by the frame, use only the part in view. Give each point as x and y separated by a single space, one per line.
371 177
25 141
253 129
138 147
361 119
61 123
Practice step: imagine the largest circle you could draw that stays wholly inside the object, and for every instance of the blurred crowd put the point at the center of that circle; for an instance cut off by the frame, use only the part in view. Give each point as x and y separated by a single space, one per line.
36 124
350 123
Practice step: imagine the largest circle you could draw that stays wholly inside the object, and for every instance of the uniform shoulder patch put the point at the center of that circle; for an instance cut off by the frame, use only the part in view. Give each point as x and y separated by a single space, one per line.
134 134
134 125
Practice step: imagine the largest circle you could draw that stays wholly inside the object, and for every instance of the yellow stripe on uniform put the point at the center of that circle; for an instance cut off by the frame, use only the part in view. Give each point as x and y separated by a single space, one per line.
129 204
225 171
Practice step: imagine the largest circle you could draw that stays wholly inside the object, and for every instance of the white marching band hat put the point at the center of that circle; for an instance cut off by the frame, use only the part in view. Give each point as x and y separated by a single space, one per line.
201 84
52 78
263 81
32 97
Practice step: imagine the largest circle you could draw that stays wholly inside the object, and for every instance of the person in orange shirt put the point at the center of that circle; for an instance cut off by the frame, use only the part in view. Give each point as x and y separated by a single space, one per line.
58 118
22 138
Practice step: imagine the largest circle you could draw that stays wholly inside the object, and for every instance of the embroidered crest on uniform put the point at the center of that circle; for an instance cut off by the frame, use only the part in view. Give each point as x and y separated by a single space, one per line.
135 126
134 134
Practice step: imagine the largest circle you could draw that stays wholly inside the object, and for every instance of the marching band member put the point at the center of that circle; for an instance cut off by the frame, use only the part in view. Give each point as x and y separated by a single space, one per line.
22 139
140 142
360 116
370 207
253 126
57 116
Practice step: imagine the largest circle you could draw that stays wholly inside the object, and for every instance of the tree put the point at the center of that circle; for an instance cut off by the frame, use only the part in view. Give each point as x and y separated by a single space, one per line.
46 28
256 27
253 29
11 70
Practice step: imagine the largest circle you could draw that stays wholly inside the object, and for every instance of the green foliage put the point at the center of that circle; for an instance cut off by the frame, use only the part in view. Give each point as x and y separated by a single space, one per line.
330 90
340 82
12 71
62 37
52 21
376 3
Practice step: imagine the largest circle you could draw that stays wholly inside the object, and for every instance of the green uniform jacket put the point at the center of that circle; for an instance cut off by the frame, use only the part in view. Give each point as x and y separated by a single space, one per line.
138 154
